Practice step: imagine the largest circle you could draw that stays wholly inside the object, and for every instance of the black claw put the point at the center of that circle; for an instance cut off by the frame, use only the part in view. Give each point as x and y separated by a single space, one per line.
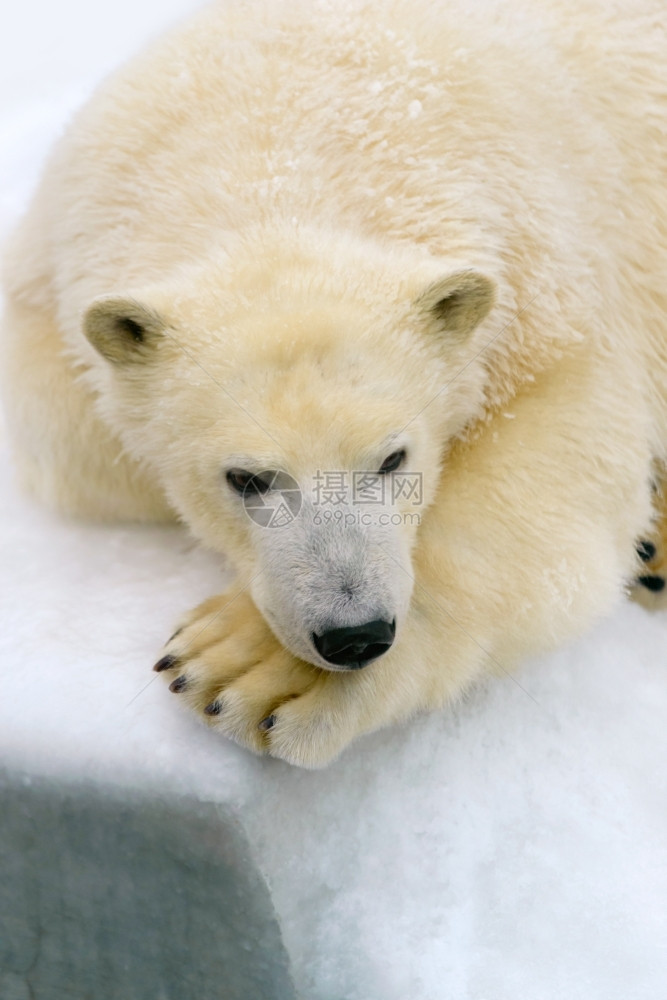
179 684
166 663
267 723
654 583
215 708
646 551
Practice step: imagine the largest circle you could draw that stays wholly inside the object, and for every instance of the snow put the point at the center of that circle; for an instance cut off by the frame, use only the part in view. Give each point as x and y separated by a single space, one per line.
514 847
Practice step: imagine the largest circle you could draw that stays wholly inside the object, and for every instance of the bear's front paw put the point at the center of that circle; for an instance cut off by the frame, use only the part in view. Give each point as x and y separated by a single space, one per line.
229 667
649 586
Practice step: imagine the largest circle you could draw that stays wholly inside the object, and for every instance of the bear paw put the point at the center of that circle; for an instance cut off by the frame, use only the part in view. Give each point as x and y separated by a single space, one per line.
649 588
229 667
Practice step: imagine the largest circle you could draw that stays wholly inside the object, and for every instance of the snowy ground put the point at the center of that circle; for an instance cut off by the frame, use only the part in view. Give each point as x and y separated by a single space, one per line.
515 849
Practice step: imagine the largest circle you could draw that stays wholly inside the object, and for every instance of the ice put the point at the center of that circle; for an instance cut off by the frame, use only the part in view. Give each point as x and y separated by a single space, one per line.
512 847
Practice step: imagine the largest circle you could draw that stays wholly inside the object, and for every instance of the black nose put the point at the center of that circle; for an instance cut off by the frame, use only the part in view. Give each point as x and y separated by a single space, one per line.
355 646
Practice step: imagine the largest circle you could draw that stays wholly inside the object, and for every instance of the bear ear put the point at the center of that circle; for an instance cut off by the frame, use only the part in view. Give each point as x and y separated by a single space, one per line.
459 302
122 330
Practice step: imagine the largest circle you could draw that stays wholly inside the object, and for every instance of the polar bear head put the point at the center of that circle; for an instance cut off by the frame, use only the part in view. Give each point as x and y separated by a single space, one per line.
295 398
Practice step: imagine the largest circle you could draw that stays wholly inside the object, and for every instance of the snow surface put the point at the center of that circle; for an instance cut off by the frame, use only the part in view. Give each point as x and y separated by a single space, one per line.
513 849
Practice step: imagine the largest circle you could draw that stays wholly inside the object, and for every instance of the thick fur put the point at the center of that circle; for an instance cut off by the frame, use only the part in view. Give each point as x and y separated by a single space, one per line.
337 225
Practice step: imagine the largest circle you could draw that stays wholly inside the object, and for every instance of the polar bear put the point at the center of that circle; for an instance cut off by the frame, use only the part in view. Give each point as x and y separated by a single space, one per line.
372 298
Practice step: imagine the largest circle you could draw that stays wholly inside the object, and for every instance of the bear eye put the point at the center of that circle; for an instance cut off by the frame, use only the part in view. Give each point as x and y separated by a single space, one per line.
242 481
392 462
